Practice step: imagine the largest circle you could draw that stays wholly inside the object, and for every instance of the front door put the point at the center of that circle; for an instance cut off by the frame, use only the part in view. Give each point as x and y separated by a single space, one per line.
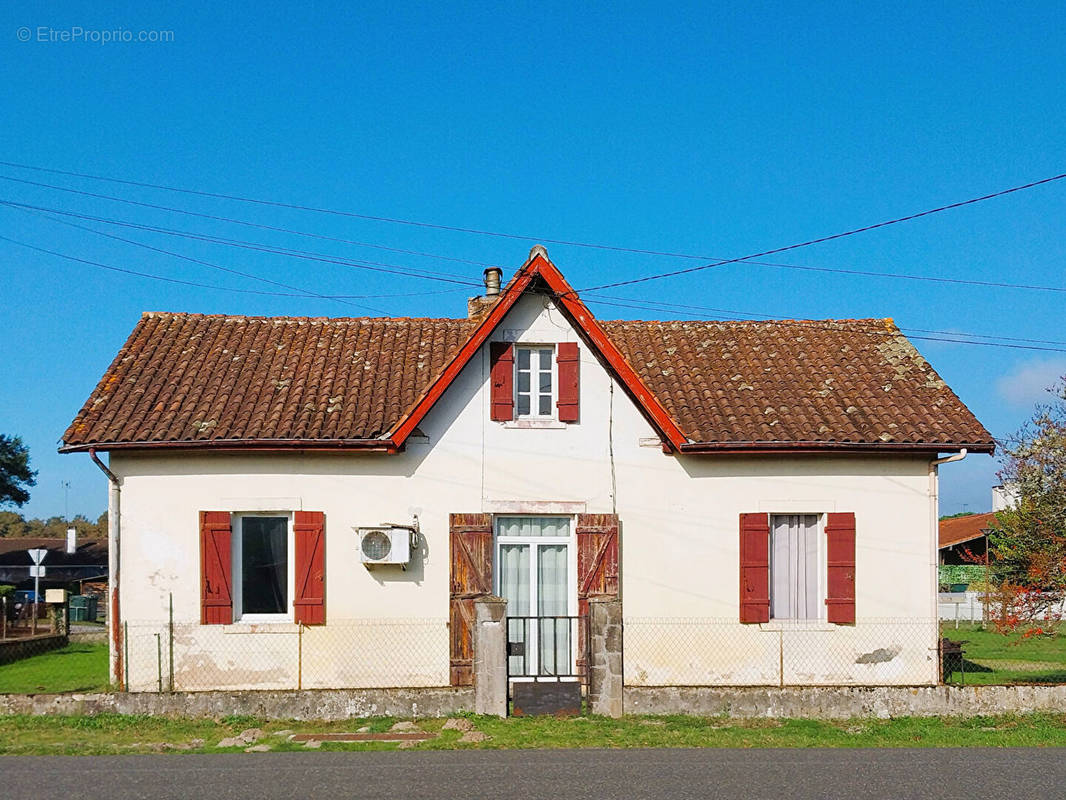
536 573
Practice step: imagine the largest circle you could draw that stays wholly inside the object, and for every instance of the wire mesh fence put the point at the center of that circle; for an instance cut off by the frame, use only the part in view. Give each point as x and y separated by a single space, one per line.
344 654
656 651
723 652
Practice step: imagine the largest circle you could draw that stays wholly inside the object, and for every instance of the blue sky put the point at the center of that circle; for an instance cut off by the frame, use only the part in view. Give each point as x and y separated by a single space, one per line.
713 131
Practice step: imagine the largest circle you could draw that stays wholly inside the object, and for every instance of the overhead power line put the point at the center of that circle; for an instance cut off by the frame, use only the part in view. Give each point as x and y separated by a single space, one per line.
834 325
830 238
656 305
150 275
246 223
373 266
274 228
210 265
351 214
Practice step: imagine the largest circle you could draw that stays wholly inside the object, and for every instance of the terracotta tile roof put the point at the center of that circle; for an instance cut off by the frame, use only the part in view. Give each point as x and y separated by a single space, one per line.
841 381
199 378
963 529
196 379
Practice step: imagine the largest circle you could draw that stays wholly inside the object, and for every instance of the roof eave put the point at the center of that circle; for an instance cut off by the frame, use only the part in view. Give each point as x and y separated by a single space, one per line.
804 447
240 445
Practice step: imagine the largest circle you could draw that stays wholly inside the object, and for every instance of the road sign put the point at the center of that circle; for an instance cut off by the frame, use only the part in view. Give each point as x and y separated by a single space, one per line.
37 556
37 571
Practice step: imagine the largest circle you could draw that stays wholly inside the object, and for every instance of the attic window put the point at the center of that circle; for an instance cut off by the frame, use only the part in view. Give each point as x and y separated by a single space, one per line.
535 381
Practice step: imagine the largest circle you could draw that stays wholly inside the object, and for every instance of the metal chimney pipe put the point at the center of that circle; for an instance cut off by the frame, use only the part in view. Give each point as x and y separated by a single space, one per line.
493 275
72 539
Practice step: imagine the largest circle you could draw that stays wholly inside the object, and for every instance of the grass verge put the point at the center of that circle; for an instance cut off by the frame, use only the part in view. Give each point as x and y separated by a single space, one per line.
78 667
110 734
995 658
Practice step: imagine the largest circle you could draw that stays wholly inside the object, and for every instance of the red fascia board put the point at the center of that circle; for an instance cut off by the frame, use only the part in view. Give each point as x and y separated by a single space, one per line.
580 317
408 423
583 320
236 445
751 448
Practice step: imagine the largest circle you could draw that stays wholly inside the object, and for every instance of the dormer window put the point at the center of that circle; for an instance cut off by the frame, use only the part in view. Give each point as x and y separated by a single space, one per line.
535 382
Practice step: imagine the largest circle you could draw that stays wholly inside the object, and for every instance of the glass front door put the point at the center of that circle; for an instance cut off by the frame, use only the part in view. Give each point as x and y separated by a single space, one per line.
534 574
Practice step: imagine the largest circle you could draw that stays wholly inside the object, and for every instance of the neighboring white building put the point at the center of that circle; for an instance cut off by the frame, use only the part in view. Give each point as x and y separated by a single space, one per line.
761 495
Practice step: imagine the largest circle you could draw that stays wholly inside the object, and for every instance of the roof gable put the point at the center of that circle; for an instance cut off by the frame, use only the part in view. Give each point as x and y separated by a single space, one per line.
539 268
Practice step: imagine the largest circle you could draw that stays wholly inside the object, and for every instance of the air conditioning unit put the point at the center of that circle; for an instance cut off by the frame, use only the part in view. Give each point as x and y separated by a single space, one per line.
385 545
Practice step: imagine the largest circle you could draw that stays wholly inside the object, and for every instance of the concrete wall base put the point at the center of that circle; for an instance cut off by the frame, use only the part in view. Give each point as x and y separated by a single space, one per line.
325 705
844 702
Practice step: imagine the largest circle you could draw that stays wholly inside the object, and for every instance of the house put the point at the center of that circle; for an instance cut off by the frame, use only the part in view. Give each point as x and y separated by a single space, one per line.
964 540
762 496
67 564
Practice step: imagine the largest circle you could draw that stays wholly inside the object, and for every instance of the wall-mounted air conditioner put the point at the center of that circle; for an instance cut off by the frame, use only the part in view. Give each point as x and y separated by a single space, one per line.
385 545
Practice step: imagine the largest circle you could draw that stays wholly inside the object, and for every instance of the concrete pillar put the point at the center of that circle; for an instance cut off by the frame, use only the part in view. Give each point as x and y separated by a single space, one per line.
605 656
490 656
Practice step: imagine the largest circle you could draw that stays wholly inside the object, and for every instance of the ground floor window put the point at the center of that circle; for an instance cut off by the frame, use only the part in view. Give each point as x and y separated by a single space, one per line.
535 572
795 566
262 567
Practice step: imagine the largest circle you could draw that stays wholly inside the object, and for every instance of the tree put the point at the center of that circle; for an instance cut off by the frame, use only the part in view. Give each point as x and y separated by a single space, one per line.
1028 542
15 473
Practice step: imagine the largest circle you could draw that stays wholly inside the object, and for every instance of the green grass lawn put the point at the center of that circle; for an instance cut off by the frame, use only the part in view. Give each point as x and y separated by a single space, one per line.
78 667
993 658
109 734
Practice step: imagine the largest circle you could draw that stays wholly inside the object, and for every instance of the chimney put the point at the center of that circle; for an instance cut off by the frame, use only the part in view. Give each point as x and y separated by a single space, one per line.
72 539
476 306
492 281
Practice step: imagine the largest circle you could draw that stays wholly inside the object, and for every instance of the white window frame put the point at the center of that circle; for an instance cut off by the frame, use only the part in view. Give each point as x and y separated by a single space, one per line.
536 395
532 645
823 566
237 568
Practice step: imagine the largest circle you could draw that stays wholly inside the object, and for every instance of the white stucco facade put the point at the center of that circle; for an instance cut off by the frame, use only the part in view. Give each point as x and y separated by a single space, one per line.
679 545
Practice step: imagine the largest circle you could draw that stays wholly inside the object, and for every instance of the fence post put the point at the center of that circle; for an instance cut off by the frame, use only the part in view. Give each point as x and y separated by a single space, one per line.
605 656
3 600
170 682
126 660
158 664
490 656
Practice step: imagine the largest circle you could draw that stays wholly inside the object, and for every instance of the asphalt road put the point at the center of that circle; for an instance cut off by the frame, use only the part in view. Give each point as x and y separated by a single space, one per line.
1014 773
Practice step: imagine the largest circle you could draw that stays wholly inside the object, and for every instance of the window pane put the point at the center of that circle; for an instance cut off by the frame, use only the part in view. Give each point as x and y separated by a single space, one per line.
523 358
264 565
546 382
554 634
514 586
545 408
523 405
523 381
545 359
533 526
794 567
514 578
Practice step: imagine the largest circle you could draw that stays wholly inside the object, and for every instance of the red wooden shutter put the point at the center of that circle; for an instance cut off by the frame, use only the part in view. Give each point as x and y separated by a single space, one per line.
568 368
501 360
471 577
597 567
840 555
216 573
309 604
754 568
597 557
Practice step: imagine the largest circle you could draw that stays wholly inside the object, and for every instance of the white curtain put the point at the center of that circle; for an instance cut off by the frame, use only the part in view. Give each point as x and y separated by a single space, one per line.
534 526
514 586
552 601
794 590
